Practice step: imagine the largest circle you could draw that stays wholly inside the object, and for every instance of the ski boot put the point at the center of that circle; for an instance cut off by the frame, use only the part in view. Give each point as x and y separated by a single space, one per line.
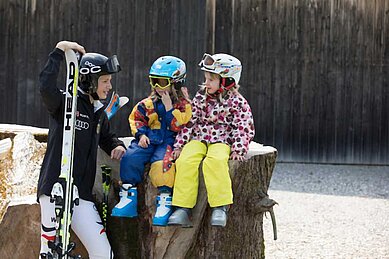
219 216
164 209
127 207
181 216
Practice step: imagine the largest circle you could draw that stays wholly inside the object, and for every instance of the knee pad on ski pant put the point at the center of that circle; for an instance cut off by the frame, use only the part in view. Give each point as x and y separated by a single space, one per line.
159 177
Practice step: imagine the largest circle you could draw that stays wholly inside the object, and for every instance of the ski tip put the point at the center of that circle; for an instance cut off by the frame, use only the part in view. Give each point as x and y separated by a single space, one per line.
123 100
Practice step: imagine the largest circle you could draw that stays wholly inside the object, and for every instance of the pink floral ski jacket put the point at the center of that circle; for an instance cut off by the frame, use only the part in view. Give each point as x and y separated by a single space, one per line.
230 122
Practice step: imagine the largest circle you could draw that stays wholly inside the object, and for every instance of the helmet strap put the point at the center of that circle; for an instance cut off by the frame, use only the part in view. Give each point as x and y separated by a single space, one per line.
95 96
215 94
93 89
226 84
85 82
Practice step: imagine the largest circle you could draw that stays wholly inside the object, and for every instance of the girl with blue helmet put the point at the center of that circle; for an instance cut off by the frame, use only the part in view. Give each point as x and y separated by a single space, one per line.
155 122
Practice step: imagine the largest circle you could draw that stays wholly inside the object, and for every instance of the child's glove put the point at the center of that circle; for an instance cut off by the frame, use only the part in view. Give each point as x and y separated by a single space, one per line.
235 156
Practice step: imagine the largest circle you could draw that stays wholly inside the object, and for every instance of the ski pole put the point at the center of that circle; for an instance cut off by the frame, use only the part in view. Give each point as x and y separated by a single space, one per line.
106 178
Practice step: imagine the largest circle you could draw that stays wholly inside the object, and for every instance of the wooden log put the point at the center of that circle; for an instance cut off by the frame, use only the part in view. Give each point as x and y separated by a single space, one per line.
242 237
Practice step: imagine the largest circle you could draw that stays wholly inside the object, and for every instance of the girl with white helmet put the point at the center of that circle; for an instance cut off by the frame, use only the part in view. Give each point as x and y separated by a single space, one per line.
154 123
220 129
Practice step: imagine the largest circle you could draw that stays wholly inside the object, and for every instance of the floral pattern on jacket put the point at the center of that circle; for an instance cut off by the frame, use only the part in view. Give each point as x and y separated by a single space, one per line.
230 122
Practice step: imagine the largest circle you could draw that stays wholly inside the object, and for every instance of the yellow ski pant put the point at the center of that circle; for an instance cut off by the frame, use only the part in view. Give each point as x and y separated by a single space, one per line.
215 170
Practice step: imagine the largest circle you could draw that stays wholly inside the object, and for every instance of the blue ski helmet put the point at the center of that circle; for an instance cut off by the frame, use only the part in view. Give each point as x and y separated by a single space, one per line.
94 65
169 67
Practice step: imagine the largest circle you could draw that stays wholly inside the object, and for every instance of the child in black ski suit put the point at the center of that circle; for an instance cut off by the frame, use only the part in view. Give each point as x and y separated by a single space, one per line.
92 129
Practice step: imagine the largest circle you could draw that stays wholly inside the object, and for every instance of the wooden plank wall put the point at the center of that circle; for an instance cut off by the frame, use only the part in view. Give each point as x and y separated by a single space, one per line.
138 31
316 72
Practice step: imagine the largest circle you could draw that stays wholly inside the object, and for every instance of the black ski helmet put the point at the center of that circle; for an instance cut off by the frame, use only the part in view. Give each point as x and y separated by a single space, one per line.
94 65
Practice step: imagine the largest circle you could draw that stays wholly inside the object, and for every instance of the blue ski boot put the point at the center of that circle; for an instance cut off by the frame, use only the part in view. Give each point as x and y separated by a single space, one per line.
164 209
127 207
219 216
181 217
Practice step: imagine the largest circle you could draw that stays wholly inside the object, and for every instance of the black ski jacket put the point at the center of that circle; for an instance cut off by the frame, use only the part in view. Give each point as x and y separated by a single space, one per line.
92 129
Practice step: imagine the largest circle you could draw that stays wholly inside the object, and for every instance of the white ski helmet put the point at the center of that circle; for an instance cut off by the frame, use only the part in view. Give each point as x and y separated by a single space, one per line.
224 65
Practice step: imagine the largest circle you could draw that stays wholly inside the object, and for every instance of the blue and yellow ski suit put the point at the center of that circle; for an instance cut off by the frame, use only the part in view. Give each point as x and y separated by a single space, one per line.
150 118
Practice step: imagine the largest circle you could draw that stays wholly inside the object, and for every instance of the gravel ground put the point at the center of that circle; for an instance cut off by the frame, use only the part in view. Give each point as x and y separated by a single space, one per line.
329 211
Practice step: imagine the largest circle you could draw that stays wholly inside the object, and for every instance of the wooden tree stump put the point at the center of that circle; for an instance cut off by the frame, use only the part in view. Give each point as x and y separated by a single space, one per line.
242 237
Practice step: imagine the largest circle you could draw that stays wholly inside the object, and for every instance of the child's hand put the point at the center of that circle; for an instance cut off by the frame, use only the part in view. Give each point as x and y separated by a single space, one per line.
167 101
118 152
235 156
144 141
184 91
65 45
176 153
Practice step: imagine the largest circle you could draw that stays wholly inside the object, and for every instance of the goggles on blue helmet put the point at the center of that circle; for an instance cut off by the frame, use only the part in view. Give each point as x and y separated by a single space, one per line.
160 82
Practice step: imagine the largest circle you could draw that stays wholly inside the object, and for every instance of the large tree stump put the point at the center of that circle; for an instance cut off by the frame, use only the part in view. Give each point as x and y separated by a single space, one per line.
242 237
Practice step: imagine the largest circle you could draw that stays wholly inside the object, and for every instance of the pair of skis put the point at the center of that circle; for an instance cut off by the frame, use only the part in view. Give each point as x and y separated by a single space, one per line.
65 193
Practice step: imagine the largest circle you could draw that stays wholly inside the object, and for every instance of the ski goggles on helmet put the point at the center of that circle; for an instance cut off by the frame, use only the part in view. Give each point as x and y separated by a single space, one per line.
208 62
160 82
112 65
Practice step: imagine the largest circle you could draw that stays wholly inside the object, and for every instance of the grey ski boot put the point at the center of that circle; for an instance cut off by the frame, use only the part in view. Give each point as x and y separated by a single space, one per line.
219 216
181 217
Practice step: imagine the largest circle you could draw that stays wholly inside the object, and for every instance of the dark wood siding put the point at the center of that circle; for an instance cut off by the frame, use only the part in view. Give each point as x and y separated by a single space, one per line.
316 72
137 31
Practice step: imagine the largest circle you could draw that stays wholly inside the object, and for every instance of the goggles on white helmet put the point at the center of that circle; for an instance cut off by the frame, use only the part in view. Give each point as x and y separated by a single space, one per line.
224 65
